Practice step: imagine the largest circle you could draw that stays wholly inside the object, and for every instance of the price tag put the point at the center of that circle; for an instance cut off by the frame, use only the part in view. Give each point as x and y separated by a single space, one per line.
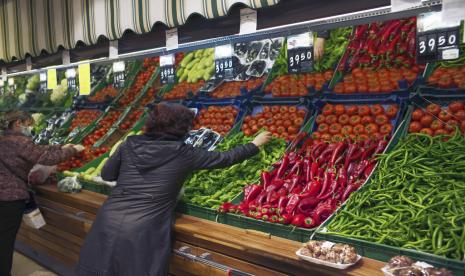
167 69
436 40
84 79
43 82
51 78
70 75
224 68
172 39
300 53
11 85
119 74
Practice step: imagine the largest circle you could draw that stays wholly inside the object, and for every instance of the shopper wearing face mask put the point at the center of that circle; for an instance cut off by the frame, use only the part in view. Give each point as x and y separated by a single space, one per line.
18 154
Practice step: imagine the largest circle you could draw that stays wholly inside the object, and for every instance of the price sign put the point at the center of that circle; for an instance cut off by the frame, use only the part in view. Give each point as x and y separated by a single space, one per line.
51 78
84 79
300 53
71 78
43 82
167 70
118 74
436 40
224 68
11 85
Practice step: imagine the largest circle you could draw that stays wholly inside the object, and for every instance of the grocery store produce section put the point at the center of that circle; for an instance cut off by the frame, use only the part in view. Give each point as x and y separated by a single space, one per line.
368 151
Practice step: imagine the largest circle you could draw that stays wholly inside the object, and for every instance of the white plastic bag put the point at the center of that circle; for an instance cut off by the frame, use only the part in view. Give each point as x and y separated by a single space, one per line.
69 185
40 173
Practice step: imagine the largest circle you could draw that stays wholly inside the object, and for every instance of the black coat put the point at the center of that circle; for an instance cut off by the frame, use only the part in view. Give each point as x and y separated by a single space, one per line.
132 232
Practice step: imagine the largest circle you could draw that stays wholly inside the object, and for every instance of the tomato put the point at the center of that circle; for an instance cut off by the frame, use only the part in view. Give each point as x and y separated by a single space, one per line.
335 128
298 122
414 127
444 115
277 117
328 109
427 131
301 112
323 128
363 110
367 120
280 129
287 123
440 132
451 125
284 109
437 124
456 106
247 132
316 135
385 129
391 111
266 109
326 137
292 130
292 109
381 119
337 138
460 115
346 130
377 109
320 119
275 109
254 129
343 119
371 128
433 109
359 129
331 119
351 110
339 109
417 114
426 120
354 120
363 137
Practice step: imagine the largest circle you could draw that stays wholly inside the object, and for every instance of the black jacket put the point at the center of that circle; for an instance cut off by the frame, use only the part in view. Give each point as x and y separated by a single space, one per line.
132 232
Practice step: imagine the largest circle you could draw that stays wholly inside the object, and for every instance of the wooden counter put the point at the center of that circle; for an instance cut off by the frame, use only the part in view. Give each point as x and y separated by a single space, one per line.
69 217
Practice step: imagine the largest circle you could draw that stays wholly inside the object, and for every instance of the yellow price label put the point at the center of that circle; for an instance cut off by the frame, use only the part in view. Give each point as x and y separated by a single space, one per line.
84 79
51 78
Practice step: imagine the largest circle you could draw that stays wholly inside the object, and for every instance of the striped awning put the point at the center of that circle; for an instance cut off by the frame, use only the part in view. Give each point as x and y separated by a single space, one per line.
33 26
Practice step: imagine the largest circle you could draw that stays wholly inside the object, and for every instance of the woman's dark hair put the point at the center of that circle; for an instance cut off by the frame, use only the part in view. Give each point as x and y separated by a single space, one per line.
174 119
9 118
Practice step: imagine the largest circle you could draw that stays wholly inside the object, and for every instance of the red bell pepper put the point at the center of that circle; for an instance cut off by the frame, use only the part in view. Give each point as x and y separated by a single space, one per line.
285 218
266 179
307 205
298 220
292 203
312 188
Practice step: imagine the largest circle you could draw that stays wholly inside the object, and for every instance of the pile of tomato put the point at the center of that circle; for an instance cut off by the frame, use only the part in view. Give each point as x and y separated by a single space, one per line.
82 158
131 119
435 120
84 118
102 128
354 122
105 94
232 89
218 118
180 90
148 97
152 61
142 78
297 85
452 77
281 120
366 80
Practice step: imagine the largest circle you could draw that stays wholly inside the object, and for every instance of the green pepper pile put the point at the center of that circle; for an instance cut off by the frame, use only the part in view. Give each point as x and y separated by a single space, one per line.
210 188
335 46
415 199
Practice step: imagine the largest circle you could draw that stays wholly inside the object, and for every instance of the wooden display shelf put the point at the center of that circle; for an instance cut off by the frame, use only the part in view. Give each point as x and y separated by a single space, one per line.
69 218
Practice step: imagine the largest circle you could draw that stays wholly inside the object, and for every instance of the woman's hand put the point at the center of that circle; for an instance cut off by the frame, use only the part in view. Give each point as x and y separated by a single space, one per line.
78 148
262 139
319 48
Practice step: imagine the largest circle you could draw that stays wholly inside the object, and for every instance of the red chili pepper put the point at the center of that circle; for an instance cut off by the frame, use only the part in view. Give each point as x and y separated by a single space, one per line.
275 185
243 208
273 219
307 205
285 218
307 143
292 203
389 30
317 150
309 222
251 192
258 215
294 181
331 191
360 31
306 168
297 189
272 197
326 184
252 206
266 179
323 211
313 171
350 189
312 188
411 49
351 168
282 169
340 146
352 151
224 208
265 217
368 152
282 191
297 168
369 168
297 140
359 170
261 198
282 203
391 47
326 154
342 177
298 220
381 146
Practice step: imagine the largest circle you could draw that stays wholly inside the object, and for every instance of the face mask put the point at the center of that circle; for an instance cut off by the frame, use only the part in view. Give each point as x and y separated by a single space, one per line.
26 131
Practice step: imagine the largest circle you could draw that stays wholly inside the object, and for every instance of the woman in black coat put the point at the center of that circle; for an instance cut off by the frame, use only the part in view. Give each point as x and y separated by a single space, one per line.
132 232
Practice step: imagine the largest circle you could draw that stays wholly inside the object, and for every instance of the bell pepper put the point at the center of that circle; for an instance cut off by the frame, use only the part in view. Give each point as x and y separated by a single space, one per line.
312 188
266 179
285 219
272 197
298 220
292 203
307 205
283 167
349 189
309 222
251 192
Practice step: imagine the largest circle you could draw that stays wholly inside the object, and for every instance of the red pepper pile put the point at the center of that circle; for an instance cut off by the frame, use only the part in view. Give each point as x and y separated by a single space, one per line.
435 120
306 186
356 122
297 85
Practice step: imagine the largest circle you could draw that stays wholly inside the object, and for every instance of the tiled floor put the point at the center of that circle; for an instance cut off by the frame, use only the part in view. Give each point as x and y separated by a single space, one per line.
23 266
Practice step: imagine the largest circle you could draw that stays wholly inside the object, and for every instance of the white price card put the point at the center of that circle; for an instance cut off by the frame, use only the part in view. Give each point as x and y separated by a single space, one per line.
172 39
167 60
453 11
223 51
248 21
300 40
119 66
